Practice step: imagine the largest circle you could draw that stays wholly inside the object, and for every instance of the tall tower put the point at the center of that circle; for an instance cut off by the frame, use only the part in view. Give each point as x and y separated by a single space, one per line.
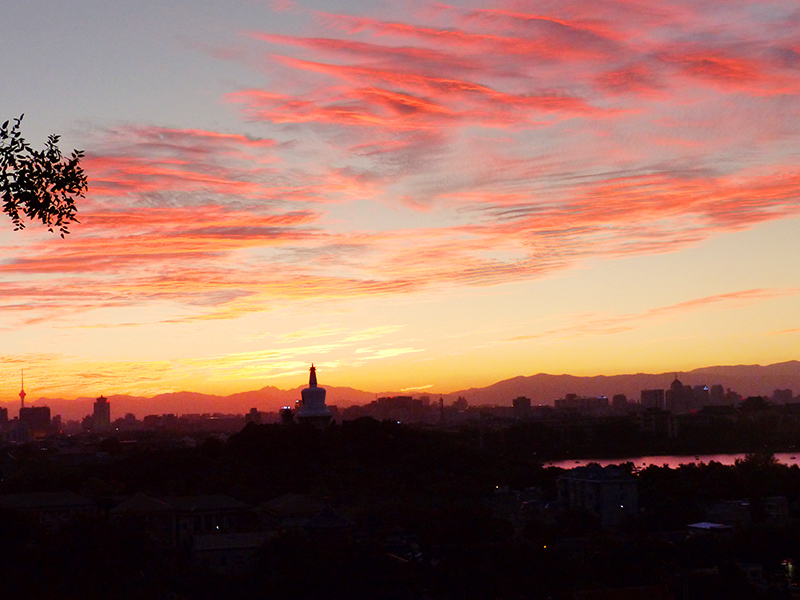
313 410
22 393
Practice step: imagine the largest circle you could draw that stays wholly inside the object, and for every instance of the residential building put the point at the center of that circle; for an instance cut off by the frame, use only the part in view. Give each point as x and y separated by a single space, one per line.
609 493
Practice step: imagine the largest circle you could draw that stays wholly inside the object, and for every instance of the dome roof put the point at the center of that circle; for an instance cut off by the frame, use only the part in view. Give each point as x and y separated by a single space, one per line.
676 384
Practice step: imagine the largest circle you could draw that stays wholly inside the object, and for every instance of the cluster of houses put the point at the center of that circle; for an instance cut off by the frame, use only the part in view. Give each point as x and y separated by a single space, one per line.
213 531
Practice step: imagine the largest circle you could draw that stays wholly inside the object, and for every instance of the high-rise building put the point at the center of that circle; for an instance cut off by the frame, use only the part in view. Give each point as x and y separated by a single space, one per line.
522 407
679 397
101 417
619 401
702 396
652 399
716 395
581 404
35 418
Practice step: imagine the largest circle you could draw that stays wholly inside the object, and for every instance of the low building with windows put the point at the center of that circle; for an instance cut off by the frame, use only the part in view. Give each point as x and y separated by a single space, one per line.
49 511
173 522
609 493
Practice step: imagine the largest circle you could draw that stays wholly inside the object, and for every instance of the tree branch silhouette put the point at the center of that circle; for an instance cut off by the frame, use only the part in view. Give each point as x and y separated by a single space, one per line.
39 185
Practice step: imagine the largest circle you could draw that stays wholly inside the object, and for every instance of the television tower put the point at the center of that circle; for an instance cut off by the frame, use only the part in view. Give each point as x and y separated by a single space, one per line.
22 393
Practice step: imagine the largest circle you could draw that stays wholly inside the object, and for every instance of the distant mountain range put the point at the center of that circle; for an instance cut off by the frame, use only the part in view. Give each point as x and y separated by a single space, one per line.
747 380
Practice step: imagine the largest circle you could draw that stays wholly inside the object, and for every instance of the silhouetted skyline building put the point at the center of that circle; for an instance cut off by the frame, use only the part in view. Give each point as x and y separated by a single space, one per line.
716 395
652 399
35 418
582 404
522 407
679 397
286 415
101 416
782 396
702 395
254 416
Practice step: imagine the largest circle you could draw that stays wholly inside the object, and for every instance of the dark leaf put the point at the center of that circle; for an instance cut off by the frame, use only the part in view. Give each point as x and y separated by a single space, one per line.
42 185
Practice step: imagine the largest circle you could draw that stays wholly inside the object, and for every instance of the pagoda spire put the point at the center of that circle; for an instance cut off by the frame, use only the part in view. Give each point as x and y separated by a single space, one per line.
312 378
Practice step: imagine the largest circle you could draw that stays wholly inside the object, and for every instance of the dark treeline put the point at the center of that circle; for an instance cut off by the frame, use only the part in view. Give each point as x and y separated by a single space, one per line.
443 490
610 437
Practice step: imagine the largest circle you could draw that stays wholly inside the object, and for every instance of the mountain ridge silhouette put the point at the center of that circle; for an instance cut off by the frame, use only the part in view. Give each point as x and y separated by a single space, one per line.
541 388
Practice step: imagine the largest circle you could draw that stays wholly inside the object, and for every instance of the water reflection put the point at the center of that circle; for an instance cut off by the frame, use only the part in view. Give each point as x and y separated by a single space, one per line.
671 461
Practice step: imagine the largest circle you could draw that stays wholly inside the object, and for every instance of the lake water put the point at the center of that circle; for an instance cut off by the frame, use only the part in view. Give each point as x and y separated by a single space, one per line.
670 461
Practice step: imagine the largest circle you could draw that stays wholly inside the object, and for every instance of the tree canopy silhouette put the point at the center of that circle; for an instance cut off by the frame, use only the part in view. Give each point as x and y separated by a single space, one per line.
39 185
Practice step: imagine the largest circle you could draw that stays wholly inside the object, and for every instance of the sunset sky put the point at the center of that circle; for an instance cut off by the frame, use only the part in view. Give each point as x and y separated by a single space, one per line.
414 196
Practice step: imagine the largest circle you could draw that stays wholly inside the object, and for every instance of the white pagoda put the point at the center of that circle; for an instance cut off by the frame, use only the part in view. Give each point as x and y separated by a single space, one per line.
313 410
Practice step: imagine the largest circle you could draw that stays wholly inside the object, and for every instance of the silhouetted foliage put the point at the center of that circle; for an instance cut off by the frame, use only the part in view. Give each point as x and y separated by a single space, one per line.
39 185
437 514
293 566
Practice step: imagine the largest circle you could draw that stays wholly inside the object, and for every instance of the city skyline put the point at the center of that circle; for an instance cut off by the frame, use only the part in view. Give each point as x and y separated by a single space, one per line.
421 197
775 383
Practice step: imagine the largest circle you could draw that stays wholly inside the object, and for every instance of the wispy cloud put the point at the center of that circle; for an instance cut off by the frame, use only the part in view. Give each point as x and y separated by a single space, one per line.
588 325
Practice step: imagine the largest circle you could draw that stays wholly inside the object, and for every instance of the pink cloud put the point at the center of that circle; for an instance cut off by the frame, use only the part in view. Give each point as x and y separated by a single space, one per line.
544 39
747 69
386 55
636 78
509 142
147 159
424 102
